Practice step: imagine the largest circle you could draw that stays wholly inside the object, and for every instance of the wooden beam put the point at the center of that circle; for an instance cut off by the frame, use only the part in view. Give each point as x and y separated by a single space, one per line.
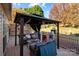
21 36
58 35
15 34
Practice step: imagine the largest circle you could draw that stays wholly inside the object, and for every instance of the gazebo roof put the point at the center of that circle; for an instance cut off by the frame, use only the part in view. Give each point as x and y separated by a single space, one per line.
33 19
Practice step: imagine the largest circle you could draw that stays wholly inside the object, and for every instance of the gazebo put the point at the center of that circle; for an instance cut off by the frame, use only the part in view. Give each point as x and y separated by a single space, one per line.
35 21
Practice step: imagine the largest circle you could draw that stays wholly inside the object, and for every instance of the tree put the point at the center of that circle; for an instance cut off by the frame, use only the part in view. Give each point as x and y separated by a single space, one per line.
67 13
35 10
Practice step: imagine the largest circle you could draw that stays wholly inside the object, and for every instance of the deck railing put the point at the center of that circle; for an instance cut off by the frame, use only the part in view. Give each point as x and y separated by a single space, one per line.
69 42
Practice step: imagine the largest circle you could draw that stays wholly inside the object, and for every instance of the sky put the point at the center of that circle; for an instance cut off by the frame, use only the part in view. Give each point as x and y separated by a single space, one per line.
46 7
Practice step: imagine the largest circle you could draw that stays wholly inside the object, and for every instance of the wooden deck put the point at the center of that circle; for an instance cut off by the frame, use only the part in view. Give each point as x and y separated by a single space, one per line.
12 50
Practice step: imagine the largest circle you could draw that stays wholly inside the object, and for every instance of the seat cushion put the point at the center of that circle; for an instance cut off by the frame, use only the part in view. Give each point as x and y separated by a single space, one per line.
49 49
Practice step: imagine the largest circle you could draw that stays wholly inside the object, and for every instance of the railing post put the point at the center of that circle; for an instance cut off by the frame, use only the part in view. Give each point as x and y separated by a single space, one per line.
77 46
58 35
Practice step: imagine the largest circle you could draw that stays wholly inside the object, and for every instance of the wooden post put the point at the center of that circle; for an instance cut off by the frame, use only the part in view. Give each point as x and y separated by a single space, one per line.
58 35
21 36
15 34
39 36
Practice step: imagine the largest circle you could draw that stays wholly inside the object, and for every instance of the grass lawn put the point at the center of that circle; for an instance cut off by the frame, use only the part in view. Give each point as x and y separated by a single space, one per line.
69 30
